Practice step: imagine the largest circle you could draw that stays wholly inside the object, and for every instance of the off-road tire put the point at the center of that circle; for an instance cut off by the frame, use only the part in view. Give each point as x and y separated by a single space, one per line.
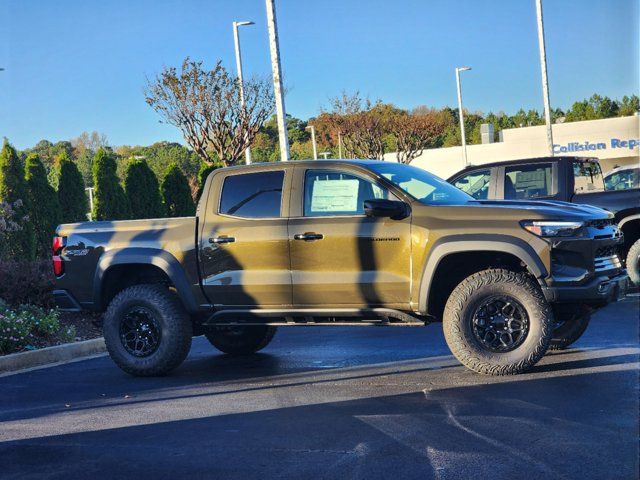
633 263
571 323
175 330
459 312
241 340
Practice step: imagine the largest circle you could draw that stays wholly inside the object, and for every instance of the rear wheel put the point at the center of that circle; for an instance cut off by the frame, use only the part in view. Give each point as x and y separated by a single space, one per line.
147 331
497 322
633 263
571 323
239 340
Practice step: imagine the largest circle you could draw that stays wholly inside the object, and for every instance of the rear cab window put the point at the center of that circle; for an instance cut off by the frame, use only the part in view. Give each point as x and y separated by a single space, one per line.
252 195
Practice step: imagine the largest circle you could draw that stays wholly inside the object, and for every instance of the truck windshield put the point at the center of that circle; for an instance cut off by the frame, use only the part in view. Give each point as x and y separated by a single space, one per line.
421 185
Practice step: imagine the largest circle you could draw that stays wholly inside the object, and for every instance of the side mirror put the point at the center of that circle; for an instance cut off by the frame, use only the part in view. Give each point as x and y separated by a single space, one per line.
393 209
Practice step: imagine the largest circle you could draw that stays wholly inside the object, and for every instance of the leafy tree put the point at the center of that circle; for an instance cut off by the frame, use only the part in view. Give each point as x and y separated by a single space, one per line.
176 193
143 191
44 208
629 105
71 194
19 243
109 200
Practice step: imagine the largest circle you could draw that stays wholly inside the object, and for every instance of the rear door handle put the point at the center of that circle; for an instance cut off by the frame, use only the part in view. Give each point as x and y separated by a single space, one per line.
222 239
308 236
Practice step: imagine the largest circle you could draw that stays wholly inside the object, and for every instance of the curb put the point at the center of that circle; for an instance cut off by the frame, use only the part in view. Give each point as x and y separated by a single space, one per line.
53 355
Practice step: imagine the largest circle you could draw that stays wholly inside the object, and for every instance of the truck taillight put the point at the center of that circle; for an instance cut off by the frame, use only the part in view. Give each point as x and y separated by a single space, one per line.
56 250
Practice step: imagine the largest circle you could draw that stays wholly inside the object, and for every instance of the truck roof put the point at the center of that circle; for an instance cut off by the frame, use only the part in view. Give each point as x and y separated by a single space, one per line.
525 161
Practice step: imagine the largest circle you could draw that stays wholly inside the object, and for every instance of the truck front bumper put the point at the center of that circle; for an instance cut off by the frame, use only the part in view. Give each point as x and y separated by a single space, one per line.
597 292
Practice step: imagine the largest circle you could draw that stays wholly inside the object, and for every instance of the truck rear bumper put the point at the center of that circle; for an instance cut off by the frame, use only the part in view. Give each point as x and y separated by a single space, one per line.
598 292
65 301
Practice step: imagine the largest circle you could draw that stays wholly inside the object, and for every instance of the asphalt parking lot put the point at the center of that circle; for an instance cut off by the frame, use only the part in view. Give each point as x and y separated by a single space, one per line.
334 403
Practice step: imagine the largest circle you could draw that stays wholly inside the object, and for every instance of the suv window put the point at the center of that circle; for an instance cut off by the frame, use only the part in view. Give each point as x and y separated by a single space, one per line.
623 179
331 192
252 195
587 177
527 181
475 183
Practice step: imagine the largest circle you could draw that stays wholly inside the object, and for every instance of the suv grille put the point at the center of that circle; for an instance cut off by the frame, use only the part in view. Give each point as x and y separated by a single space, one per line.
607 251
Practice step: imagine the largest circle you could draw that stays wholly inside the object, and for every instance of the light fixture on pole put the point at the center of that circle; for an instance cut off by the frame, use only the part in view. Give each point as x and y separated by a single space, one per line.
325 155
313 140
236 39
277 80
460 114
545 80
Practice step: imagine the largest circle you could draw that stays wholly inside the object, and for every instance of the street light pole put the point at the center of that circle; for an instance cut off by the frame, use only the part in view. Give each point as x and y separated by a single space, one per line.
340 145
277 80
236 39
545 80
460 114
313 140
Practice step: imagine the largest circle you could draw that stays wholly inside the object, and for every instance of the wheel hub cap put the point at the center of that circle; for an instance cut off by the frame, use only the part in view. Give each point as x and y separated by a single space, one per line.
500 324
140 332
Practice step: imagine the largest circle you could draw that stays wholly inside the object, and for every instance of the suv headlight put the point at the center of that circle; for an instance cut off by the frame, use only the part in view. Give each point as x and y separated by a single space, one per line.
551 228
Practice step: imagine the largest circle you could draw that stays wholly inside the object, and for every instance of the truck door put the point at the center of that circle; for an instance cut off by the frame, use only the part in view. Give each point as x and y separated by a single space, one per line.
339 256
244 248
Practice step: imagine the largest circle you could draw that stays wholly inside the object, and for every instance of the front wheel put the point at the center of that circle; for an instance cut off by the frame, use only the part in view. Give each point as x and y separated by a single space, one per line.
497 322
633 263
571 323
240 340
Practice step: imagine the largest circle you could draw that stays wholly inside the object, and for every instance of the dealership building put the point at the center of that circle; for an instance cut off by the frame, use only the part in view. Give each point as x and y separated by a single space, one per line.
614 141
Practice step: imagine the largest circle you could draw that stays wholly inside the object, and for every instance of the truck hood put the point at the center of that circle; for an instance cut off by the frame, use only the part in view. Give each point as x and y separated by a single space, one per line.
548 209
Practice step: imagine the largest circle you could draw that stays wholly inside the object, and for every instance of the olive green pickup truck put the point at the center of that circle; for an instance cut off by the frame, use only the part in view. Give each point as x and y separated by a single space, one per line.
342 243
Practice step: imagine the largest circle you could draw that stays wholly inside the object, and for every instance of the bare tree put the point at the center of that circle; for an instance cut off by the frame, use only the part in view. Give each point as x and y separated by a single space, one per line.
205 106
89 141
416 131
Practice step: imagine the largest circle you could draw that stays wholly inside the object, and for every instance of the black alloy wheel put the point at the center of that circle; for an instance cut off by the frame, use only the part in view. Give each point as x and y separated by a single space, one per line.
500 324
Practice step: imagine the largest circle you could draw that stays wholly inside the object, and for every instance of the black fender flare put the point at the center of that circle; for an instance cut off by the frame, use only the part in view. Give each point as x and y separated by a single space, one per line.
451 244
145 256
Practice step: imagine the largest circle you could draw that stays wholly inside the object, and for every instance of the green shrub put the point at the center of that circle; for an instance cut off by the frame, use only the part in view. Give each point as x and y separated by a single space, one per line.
143 191
18 243
18 327
27 282
71 195
176 193
109 199
44 209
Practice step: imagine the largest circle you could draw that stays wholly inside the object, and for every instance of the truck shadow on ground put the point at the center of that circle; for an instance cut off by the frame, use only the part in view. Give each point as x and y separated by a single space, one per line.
548 427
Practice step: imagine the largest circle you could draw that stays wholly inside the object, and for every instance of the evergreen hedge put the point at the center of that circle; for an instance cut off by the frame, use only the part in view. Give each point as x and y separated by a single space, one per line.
204 172
43 205
109 200
176 193
18 244
71 195
143 190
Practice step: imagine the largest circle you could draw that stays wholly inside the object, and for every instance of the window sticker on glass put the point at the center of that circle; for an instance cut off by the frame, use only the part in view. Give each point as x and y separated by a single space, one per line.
335 195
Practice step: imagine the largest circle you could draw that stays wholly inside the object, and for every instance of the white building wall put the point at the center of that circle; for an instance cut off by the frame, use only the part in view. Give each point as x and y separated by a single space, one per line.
615 141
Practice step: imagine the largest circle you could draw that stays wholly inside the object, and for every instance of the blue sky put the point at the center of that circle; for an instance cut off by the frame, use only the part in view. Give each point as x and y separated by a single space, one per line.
75 65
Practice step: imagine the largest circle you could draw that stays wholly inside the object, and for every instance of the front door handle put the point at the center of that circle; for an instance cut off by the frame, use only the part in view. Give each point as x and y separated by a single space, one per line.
222 239
308 236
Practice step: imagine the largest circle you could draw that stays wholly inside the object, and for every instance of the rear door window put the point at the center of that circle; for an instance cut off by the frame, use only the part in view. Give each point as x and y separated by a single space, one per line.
528 181
252 195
